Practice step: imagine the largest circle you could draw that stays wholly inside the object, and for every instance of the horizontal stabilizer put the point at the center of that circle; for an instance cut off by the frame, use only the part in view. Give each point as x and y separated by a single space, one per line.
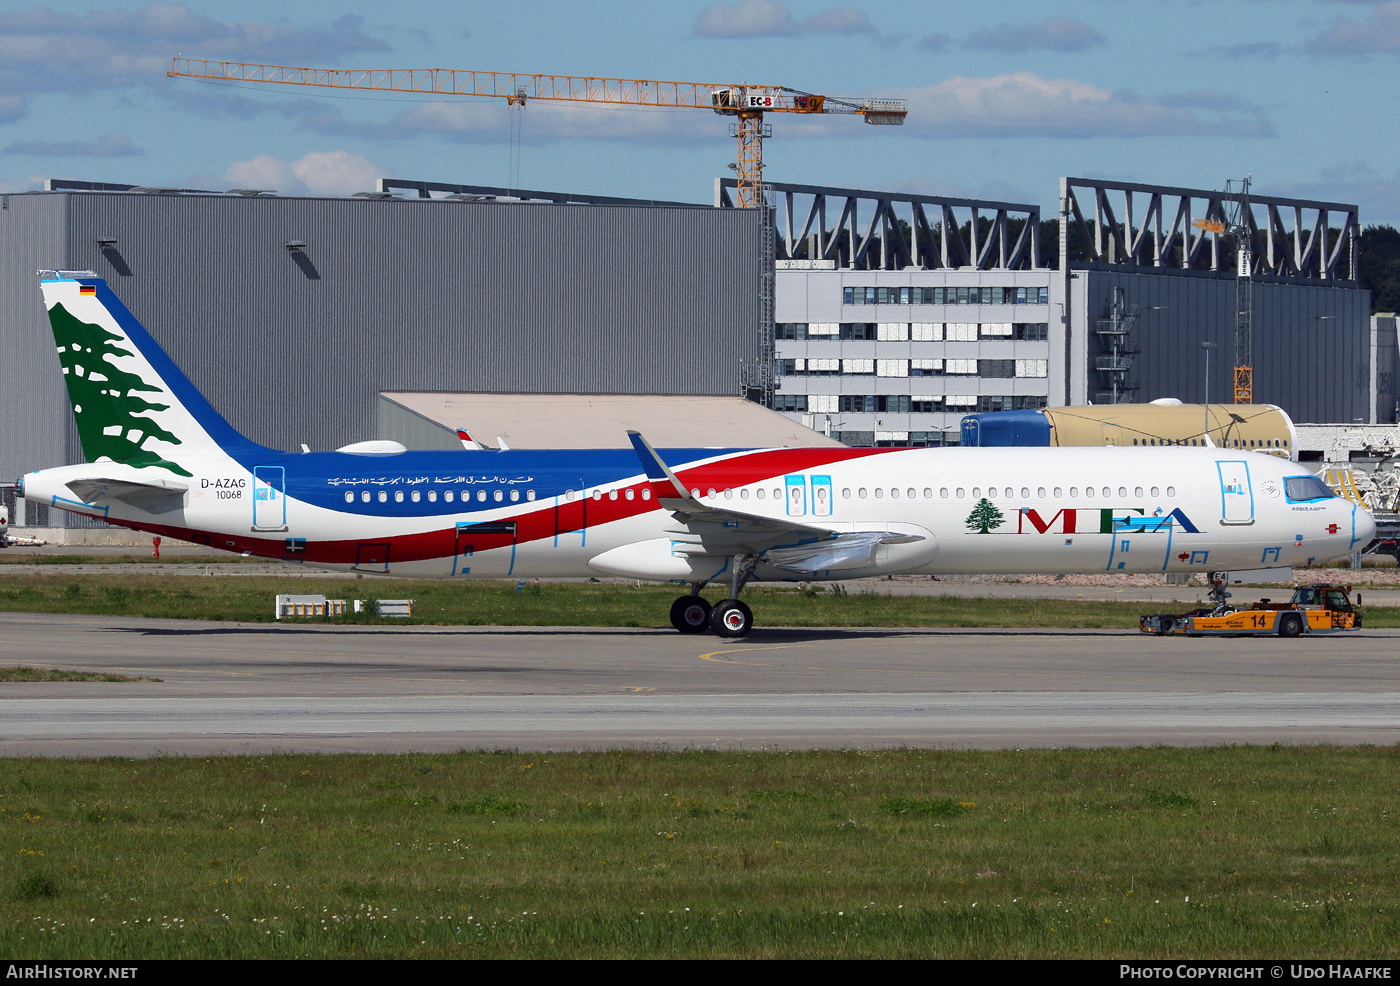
157 496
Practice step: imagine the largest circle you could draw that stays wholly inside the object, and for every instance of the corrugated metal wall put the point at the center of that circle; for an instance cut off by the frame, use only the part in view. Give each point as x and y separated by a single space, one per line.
1311 344
294 346
34 417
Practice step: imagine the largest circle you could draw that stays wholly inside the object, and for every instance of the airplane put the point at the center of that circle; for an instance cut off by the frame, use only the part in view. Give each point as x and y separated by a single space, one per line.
161 459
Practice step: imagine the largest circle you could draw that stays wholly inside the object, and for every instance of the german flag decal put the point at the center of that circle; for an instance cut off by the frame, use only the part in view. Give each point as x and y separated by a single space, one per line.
87 289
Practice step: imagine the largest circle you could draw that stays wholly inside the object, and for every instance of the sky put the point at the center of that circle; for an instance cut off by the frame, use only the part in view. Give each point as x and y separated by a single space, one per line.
1005 96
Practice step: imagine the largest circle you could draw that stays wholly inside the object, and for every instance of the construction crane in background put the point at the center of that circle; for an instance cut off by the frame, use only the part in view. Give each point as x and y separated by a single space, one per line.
1239 224
746 103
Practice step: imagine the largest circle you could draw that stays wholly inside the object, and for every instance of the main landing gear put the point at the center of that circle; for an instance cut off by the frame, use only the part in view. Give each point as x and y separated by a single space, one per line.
729 618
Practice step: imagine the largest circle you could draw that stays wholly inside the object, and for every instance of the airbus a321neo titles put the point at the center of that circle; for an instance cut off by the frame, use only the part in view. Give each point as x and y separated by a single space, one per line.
161 459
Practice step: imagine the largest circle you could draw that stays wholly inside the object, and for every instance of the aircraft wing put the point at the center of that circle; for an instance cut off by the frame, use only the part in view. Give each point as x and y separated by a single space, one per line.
712 530
157 496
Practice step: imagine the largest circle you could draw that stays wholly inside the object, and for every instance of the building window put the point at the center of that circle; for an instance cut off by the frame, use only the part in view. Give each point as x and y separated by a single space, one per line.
1031 367
997 369
790 330
1031 331
892 367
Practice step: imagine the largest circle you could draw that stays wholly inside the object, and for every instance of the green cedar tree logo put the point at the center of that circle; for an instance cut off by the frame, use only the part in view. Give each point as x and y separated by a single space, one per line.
104 396
984 517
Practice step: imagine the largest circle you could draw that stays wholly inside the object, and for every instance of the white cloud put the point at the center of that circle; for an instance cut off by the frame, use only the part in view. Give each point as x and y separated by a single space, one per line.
317 173
337 172
1052 34
1025 104
108 145
768 18
1377 33
29 183
43 50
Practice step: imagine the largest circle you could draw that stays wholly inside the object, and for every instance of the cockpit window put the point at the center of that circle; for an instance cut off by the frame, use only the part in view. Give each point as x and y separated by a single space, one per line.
1302 488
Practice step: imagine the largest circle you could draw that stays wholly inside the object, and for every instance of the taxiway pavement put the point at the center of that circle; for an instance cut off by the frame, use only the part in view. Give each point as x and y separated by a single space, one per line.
235 688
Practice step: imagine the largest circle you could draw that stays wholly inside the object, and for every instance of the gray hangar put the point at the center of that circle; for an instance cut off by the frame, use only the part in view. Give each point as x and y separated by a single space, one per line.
293 315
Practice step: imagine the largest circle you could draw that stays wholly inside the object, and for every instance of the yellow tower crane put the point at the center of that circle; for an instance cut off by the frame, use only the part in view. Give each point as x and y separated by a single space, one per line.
747 103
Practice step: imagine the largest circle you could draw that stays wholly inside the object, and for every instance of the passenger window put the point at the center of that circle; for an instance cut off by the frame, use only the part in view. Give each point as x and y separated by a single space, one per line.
530 495
515 495
364 497
499 496
398 496
879 493
1040 492
383 497
1025 492
729 494
861 492
1122 491
598 494
432 496
1108 492
759 492
1171 491
349 497
646 494
1073 492
960 493
910 493
976 491
1156 491
447 496
928 493
481 496
894 493
1137 491
1088 491
743 494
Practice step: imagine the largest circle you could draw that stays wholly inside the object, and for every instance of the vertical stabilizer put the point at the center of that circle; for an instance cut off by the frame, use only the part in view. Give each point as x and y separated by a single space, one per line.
130 402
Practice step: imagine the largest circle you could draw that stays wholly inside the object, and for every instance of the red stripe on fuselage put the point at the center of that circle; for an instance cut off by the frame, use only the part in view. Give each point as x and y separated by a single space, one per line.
539 523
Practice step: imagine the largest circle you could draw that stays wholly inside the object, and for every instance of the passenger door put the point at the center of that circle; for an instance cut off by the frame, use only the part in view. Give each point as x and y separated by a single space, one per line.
1236 496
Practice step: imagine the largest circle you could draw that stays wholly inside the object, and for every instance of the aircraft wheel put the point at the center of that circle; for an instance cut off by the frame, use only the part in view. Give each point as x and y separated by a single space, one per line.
731 618
1290 625
690 614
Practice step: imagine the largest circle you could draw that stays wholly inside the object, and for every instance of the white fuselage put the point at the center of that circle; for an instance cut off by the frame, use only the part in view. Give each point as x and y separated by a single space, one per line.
579 513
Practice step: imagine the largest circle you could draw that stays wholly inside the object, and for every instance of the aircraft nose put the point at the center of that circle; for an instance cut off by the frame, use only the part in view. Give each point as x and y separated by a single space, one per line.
1365 527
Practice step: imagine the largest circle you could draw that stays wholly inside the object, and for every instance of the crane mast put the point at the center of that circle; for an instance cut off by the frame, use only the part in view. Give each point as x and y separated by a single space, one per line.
1241 226
747 103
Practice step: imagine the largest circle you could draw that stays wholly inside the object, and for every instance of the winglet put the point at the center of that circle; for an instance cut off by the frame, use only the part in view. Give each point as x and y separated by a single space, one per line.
468 442
653 465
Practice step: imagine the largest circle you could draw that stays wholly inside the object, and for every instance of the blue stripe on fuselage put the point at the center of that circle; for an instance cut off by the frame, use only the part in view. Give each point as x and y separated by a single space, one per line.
323 478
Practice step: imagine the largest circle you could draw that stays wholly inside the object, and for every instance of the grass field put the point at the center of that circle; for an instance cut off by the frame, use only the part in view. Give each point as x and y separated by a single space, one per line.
484 603
1236 851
